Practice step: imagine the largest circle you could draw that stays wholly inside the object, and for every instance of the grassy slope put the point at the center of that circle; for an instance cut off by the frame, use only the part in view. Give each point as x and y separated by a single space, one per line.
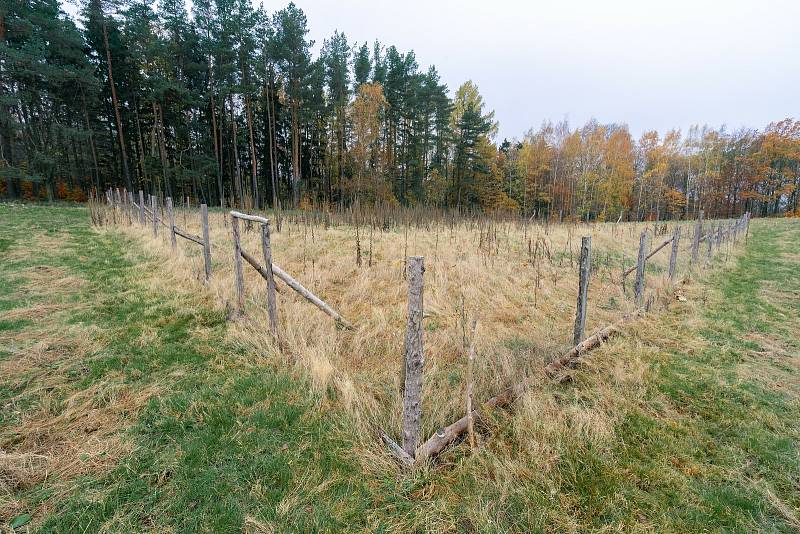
709 441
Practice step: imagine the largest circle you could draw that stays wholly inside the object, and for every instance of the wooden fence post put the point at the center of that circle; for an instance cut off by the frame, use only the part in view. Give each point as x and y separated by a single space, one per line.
698 232
414 357
673 257
583 289
638 287
141 207
171 219
272 305
747 228
237 266
709 249
206 241
131 213
153 207
127 206
113 203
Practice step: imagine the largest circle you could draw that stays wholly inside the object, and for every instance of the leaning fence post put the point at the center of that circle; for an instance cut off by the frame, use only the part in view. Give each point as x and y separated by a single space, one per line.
673 257
141 207
206 241
638 287
237 266
272 305
414 357
171 219
583 289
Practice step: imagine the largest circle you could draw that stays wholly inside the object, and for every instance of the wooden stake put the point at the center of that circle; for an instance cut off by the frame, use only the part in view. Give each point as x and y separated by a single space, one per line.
272 305
206 241
638 288
171 219
673 257
470 382
414 357
141 207
698 231
237 266
155 216
583 289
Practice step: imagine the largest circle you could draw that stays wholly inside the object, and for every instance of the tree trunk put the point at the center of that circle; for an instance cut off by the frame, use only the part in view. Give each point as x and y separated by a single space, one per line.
217 153
253 165
237 173
5 129
295 156
117 115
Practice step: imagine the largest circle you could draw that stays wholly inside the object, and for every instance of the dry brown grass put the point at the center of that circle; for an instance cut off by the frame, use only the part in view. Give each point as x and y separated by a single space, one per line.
525 302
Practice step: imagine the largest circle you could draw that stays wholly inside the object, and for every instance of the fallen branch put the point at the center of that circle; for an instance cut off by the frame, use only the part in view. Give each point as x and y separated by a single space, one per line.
652 253
186 235
397 450
297 286
570 358
447 435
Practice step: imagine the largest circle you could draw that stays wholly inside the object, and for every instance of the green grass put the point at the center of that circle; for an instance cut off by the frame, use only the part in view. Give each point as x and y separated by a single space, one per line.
708 443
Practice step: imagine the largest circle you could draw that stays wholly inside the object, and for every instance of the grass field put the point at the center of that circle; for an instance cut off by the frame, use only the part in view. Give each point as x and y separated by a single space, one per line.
130 404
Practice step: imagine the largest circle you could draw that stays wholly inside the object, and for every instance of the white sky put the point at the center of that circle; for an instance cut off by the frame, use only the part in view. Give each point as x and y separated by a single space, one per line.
650 64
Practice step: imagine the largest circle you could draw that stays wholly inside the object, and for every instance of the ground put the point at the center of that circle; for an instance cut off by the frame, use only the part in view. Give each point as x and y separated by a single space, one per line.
127 406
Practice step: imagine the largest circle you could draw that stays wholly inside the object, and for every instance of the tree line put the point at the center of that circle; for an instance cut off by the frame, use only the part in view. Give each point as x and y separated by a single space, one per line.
227 104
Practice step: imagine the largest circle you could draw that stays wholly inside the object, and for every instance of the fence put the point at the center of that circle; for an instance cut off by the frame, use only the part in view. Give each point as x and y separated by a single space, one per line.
412 450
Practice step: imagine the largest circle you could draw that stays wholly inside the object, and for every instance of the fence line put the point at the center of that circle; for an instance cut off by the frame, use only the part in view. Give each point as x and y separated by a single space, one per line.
412 451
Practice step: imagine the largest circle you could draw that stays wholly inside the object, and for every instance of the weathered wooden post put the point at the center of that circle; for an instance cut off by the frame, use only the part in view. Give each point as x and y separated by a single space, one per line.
673 257
272 304
126 203
747 227
155 217
131 213
638 288
698 232
206 241
709 244
237 266
141 207
113 203
171 219
583 289
414 357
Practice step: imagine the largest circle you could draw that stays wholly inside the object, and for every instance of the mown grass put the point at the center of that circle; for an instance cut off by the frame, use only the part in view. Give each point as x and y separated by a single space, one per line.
706 440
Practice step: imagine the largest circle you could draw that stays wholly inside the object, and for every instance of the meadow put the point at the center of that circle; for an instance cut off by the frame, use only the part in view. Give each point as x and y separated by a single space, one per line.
135 400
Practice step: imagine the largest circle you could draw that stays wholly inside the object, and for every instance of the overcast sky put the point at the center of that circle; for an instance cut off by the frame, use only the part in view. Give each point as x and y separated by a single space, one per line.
650 64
